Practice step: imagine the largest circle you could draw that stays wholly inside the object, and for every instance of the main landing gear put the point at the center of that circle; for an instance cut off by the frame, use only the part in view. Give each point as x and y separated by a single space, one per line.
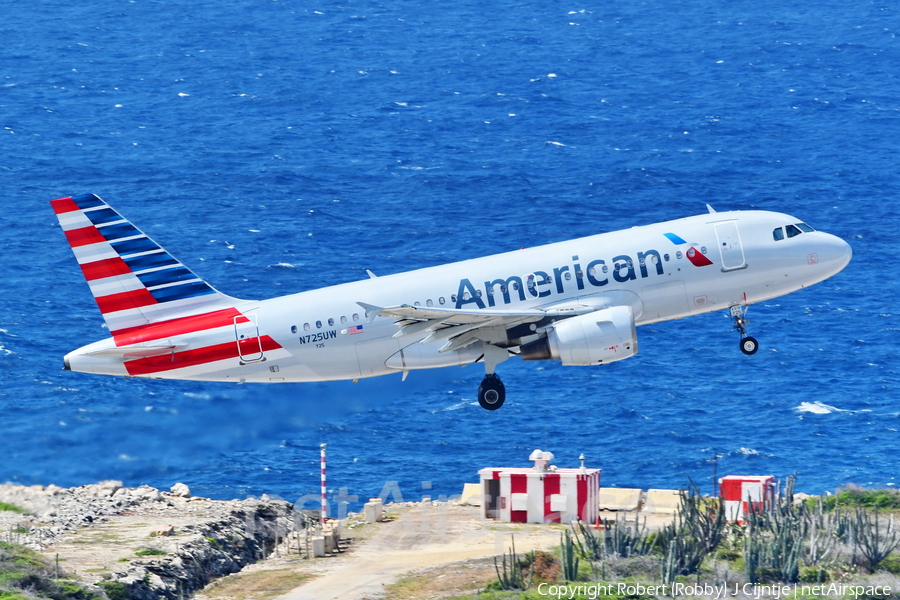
491 393
749 345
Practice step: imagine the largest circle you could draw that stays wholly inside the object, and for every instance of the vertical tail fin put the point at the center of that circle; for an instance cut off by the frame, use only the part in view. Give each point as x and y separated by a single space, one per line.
134 280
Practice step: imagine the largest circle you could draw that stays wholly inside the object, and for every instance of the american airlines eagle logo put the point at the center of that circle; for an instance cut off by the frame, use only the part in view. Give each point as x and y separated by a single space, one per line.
697 257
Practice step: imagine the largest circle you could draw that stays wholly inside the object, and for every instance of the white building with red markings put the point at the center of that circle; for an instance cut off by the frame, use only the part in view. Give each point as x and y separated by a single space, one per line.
742 494
540 494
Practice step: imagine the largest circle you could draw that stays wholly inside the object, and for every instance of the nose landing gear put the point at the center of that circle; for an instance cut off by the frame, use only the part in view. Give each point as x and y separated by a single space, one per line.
749 345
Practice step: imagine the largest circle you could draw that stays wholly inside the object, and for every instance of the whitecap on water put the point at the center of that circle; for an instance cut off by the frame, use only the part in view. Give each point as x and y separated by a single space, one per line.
198 396
456 406
817 408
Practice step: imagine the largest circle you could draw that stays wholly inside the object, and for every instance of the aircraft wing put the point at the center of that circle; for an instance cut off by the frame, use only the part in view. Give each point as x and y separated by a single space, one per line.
455 316
462 327
457 327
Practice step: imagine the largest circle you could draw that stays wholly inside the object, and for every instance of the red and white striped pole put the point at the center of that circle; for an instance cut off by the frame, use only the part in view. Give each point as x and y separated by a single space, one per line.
324 485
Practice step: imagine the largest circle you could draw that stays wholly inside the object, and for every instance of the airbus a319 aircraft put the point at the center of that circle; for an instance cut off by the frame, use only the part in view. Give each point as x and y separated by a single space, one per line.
577 302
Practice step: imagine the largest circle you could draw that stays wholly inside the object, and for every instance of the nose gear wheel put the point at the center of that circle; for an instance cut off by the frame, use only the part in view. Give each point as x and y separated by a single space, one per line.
749 345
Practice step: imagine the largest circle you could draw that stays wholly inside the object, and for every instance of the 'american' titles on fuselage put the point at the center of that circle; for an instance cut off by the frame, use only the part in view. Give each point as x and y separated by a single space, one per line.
596 273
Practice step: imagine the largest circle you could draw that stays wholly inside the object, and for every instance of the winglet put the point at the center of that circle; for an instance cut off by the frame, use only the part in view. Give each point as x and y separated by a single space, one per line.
710 209
371 310
371 274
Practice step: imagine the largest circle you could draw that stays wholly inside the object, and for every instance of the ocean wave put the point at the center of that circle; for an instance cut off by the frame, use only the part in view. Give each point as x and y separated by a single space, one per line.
818 408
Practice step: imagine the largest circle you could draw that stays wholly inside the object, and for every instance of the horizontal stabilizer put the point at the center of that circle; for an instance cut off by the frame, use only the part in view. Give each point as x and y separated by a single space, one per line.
137 351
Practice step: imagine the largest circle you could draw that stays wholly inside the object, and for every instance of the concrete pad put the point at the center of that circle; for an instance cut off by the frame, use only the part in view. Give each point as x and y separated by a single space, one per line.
620 498
662 501
471 494
373 510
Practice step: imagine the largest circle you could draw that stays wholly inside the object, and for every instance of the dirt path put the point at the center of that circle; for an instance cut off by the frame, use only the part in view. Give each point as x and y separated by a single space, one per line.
424 536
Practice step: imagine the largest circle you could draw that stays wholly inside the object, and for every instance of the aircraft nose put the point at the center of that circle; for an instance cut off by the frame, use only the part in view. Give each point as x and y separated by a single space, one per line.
833 254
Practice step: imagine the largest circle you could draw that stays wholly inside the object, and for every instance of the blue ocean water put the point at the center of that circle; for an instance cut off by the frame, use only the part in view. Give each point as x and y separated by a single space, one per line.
278 146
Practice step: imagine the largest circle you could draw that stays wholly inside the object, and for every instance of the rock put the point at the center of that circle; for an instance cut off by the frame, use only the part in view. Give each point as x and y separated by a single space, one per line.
166 531
145 492
108 488
181 490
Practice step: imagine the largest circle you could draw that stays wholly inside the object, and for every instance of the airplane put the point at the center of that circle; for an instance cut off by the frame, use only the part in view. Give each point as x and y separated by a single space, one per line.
577 302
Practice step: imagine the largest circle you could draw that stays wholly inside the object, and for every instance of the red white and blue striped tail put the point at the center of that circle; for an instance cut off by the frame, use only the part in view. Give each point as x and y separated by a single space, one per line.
134 280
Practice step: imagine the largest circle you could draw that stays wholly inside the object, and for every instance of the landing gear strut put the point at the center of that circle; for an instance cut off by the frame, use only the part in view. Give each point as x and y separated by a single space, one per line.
491 392
749 345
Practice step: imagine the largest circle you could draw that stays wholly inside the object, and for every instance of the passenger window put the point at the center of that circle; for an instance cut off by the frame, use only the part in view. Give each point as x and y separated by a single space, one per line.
318 324
293 329
441 300
778 234
331 322
666 257
805 227
417 303
355 317
306 327
678 255
343 320
792 231
429 303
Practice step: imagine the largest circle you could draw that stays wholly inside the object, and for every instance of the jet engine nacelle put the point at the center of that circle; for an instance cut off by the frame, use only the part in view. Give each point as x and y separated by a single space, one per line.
599 337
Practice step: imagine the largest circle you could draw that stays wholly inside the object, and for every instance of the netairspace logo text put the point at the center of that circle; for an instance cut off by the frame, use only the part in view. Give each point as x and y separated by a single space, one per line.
748 590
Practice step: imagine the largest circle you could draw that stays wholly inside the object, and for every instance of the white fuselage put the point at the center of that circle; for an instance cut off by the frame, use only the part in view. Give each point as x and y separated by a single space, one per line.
319 336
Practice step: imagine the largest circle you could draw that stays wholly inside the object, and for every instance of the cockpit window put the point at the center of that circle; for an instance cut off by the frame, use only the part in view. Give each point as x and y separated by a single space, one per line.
778 234
805 227
792 231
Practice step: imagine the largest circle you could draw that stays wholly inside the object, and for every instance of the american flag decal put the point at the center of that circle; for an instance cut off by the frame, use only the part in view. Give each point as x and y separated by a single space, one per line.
355 329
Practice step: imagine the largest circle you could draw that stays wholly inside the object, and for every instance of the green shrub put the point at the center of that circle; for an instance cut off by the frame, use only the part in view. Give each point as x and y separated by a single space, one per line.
4 507
115 590
729 555
24 569
891 564
813 575
149 552
851 497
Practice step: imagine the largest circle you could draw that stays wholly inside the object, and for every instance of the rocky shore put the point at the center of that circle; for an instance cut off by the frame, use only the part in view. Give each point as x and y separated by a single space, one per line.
143 543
